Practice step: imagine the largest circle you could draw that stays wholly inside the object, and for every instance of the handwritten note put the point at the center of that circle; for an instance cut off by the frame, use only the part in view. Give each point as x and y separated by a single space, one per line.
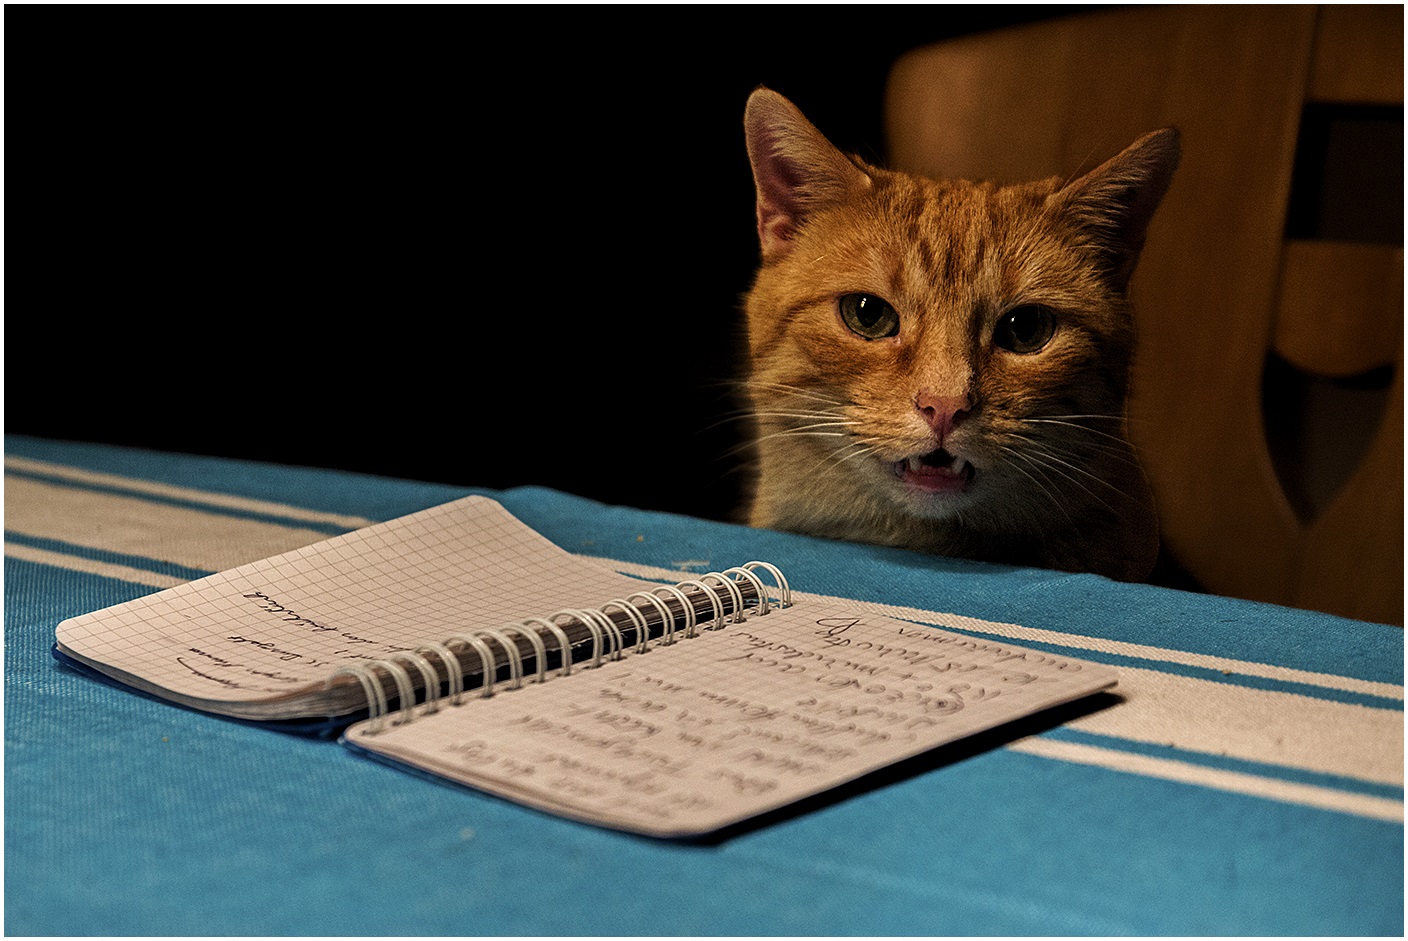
259 641
710 731
681 739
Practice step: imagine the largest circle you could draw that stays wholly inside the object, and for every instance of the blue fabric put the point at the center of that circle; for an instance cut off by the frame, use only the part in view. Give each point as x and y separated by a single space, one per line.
126 815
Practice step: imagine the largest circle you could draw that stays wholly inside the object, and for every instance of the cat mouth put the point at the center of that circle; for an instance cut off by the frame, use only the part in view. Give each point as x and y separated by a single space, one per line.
938 472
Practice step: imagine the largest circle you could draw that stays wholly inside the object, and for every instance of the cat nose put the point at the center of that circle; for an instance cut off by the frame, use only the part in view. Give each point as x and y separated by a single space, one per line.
943 412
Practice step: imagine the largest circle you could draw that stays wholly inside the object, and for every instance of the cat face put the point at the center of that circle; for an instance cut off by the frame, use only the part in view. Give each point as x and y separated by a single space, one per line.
943 365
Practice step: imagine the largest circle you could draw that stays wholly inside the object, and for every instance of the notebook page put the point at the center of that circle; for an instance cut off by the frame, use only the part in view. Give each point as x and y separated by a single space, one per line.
241 641
685 739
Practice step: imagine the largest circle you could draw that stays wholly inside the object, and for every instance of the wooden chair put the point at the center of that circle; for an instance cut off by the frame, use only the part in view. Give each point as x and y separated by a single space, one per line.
1237 321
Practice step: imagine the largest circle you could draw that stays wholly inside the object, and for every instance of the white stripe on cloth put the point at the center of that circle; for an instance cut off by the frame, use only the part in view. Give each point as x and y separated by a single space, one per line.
78 475
1262 725
125 573
1292 792
130 525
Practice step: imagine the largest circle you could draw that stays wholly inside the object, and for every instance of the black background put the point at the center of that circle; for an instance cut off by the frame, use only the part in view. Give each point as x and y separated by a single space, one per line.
480 245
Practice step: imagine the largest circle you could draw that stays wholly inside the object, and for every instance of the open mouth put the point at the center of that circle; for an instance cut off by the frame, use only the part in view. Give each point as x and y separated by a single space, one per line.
937 471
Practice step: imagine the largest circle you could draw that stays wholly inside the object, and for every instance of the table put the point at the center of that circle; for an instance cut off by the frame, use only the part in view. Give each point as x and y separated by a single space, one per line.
1246 777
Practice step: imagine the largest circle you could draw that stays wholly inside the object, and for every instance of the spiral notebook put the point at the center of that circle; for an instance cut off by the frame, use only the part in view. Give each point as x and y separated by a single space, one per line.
460 642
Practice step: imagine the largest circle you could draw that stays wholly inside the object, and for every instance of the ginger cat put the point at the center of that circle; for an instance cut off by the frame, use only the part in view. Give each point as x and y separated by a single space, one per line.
943 365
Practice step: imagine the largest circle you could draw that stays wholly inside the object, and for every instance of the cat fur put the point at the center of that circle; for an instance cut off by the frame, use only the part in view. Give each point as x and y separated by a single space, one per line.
1052 480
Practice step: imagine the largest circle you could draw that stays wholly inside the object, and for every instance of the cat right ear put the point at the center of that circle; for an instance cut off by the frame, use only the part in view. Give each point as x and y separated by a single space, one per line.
796 170
1117 200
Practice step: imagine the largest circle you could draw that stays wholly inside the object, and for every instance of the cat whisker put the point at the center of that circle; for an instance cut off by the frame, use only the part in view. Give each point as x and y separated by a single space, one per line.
1118 419
860 449
1049 458
1065 421
836 419
797 392
1114 445
821 417
1089 449
1101 417
824 424
840 402
813 421
839 457
1076 419
806 431
802 432
1053 457
747 389
741 448
1055 497
1119 450
791 433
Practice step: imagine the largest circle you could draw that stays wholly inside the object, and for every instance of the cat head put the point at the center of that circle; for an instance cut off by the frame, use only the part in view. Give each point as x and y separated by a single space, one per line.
944 364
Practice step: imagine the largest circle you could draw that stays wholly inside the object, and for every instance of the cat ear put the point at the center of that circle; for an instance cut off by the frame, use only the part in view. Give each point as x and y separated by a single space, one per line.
796 170
1115 201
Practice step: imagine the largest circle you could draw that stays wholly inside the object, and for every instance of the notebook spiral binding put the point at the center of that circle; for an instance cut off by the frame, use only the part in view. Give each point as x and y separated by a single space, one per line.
740 591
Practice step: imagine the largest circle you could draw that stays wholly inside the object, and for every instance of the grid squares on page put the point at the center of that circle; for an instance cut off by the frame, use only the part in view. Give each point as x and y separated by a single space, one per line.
360 596
703 733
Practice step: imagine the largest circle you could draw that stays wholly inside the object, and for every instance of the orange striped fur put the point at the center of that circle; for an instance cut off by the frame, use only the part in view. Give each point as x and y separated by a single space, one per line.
943 365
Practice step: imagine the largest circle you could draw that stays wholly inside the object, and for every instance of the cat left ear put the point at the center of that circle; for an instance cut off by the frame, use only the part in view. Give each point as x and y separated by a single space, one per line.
796 170
1116 201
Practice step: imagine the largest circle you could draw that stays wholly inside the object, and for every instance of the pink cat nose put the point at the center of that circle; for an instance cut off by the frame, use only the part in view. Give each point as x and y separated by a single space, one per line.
943 412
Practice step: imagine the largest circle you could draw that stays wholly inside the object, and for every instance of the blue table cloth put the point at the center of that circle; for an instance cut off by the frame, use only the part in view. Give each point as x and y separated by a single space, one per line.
1246 777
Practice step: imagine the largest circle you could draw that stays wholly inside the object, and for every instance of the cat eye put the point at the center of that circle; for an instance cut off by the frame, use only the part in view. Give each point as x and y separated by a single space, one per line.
1025 329
868 316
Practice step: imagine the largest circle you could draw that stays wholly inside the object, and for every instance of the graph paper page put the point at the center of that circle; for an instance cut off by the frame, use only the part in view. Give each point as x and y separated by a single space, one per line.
712 730
273 629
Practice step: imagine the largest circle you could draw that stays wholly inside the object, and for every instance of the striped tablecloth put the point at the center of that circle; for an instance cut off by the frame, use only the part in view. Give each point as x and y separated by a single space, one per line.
1247 778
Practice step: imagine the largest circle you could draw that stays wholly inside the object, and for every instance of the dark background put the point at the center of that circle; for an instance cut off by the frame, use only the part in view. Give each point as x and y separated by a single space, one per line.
480 245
